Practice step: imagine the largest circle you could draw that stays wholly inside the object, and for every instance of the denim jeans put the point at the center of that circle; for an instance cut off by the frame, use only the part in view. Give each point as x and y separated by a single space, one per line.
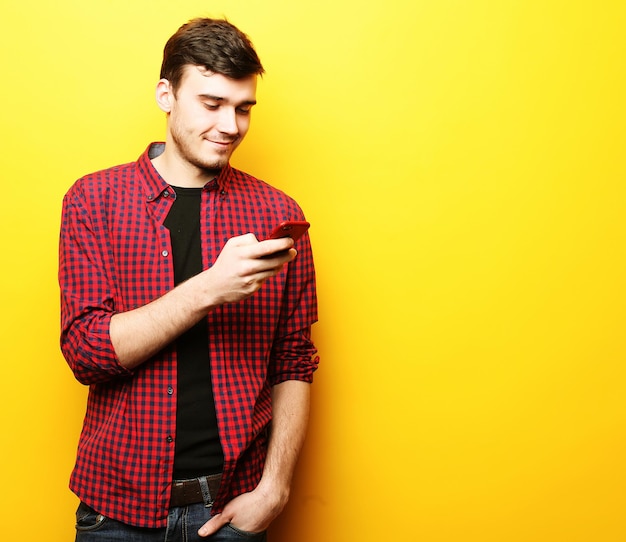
182 526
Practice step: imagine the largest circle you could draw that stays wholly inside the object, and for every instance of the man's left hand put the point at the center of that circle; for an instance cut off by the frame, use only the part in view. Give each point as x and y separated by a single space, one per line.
251 512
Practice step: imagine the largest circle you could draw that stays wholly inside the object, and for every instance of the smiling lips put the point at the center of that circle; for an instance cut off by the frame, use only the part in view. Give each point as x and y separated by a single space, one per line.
225 143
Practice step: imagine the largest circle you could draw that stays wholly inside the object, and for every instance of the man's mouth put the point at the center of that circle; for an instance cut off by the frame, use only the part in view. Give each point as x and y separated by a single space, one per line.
225 142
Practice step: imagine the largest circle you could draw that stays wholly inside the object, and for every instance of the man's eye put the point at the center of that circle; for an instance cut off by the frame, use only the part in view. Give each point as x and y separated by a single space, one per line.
211 107
243 110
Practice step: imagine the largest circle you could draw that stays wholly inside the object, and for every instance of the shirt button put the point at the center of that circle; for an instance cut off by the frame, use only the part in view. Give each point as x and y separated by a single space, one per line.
166 194
165 253
170 390
169 439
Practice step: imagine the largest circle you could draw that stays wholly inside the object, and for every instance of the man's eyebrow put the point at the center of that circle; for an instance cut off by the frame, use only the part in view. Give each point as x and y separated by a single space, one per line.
222 99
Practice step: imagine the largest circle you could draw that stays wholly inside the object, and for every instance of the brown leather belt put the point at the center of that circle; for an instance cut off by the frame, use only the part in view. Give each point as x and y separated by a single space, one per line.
186 492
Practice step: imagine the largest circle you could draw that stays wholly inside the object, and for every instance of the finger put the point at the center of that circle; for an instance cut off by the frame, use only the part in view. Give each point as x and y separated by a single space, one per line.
243 240
274 245
271 247
213 525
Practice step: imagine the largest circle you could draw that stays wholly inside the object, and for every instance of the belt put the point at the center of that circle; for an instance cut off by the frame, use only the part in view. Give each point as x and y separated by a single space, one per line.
196 490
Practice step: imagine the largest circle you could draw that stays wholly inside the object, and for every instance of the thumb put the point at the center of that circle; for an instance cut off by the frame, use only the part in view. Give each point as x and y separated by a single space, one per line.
243 240
213 525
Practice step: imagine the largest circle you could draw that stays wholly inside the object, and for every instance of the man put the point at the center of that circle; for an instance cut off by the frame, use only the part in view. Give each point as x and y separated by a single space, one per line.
191 328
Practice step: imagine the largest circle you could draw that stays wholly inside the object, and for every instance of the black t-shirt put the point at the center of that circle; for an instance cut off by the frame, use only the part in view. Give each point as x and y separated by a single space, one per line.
198 448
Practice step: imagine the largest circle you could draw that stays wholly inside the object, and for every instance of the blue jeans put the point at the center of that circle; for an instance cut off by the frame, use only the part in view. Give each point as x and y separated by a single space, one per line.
182 526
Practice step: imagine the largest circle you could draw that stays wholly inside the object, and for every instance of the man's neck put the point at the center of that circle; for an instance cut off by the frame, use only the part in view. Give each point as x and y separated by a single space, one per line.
177 172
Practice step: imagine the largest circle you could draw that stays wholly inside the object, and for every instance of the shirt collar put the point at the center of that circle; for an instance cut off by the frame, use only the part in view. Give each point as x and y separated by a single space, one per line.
155 184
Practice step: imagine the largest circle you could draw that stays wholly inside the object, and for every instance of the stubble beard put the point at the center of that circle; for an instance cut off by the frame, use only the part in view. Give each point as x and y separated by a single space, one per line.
185 151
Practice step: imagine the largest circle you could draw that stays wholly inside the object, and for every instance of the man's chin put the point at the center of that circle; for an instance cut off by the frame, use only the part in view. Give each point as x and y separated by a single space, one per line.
211 165
215 166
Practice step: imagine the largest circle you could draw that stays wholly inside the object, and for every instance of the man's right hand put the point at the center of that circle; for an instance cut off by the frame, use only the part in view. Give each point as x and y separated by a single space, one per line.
242 267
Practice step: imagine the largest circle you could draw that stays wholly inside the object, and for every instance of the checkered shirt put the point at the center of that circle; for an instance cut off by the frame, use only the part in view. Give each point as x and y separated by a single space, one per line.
115 256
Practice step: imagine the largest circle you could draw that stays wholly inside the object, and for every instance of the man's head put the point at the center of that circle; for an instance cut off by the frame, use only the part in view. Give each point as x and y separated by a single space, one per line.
207 88
214 44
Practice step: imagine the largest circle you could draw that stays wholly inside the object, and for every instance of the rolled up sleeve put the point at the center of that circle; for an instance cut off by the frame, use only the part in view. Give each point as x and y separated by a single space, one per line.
86 294
294 355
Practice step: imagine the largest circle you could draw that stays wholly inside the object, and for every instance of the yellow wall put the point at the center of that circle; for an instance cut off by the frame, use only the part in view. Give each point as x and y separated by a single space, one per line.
462 164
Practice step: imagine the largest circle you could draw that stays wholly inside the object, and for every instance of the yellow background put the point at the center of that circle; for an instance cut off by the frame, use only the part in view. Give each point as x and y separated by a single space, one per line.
462 165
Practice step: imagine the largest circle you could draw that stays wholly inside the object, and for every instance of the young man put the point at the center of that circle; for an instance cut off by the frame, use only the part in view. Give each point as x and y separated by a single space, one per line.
192 331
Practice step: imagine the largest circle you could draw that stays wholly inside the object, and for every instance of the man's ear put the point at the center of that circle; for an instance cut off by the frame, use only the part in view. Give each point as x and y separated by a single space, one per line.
164 95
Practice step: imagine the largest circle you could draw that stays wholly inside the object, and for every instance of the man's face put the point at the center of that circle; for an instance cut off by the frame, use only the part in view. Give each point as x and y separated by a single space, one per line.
209 116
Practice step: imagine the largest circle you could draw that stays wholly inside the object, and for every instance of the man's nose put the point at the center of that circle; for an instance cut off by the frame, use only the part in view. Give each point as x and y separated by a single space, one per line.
228 121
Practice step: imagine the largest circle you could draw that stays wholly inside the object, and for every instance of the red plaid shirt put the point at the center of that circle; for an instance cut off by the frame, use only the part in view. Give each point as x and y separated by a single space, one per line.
115 255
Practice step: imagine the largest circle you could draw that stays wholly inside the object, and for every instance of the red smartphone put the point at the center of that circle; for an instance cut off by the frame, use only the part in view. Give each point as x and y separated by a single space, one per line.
290 228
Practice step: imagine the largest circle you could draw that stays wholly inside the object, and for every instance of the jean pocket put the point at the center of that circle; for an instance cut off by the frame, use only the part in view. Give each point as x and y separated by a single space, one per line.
245 535
87 519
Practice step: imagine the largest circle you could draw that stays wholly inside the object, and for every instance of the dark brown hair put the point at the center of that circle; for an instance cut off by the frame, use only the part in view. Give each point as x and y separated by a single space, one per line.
215 44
